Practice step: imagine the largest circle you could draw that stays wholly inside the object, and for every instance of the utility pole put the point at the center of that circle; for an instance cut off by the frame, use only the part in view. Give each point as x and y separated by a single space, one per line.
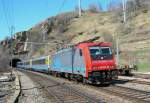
124 10
44 38
80 12
31 51
117 51
11 47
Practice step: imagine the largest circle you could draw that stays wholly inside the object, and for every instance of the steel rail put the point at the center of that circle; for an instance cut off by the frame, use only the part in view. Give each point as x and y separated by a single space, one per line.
128 93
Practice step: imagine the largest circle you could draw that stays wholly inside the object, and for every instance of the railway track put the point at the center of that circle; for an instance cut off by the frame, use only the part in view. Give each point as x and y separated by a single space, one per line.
135 81
61 92
143 76
134 95
139 82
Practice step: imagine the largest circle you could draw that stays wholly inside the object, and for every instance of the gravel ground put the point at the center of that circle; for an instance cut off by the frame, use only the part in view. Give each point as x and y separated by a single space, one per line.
136 86
6 90
31 92
105 97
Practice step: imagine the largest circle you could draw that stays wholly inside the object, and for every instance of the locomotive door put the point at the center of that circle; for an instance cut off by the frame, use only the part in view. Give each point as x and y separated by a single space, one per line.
78 64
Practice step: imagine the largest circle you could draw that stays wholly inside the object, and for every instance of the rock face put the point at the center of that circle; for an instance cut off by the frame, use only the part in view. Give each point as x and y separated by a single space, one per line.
4 60
67 28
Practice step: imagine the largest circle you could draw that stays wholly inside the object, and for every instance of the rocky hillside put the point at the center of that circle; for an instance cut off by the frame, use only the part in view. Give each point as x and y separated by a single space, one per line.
67 29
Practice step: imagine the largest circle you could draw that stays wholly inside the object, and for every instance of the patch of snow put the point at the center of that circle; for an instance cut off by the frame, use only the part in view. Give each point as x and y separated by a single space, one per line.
4 78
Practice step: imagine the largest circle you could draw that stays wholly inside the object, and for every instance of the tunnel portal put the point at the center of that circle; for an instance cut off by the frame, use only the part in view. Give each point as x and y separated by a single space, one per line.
14 62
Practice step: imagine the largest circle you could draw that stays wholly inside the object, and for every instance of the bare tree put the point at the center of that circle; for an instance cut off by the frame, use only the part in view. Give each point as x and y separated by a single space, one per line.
140 3
111 7
77 9
115 7
131 6
95 8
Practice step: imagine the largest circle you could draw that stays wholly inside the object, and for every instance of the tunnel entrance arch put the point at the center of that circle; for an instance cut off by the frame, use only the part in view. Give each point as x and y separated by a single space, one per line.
14 62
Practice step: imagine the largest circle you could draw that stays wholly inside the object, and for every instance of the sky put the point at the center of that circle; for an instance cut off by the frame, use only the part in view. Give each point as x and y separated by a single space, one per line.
24 14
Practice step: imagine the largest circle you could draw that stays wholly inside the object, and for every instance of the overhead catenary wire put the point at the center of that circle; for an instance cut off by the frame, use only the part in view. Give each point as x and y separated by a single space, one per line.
42 43
12 11
8 10
5 13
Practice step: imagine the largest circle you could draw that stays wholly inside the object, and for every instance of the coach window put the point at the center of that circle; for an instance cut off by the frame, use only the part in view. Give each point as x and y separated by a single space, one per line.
80 51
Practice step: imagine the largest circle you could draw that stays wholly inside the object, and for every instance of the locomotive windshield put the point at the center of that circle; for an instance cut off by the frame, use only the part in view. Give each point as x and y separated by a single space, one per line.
100 53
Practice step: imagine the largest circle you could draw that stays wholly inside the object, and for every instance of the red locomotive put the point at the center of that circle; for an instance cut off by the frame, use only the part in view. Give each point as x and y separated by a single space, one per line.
91 62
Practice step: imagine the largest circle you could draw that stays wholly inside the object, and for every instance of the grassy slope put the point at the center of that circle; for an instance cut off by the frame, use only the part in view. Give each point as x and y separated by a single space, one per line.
144 67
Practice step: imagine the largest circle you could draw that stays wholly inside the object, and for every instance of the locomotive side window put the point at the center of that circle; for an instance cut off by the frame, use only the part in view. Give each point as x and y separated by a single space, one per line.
80 51
27 63
40 61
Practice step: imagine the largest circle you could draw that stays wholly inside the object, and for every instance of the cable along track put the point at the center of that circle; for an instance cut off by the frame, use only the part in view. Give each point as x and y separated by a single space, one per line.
61 92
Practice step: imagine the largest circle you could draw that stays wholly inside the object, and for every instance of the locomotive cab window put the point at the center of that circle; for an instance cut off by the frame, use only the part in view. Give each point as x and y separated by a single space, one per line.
80 52
39 61
105 50
98 52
